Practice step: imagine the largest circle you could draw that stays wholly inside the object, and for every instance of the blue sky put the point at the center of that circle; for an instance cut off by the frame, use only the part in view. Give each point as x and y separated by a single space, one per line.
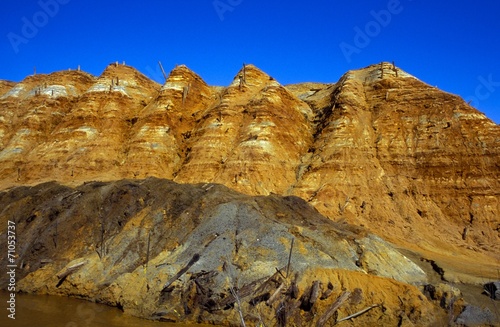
454 45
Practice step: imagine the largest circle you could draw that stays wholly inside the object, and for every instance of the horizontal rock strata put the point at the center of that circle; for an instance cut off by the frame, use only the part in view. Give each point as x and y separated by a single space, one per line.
378 149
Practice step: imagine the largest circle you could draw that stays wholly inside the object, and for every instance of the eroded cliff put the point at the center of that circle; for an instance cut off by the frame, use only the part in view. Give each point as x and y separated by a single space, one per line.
378 149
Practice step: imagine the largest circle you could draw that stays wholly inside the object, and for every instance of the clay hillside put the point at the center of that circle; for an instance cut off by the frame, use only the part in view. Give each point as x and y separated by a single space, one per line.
180 202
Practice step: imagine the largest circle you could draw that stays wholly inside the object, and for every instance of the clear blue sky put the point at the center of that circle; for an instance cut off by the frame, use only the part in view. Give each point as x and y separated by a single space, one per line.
454 45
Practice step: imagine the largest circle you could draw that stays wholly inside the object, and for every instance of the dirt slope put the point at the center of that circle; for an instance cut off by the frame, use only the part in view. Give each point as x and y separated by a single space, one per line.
134 236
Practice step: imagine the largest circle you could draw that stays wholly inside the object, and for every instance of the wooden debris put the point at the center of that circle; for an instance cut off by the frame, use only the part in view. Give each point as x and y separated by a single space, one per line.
334 307
181 272
243 292
240 76
310 296
275 294
281 314
326 294
147 251
359 313
280 273
259 298
244 73
70 270
395 69
274 279
162 70
185 91
492 289
294 290
315 292
289 259
240 312
465 232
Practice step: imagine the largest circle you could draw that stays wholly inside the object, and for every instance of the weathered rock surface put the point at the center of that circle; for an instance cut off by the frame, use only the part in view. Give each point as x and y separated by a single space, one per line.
475 316
378 149
134 236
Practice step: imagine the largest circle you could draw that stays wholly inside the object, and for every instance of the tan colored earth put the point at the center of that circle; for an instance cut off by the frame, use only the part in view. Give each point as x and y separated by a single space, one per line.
379 150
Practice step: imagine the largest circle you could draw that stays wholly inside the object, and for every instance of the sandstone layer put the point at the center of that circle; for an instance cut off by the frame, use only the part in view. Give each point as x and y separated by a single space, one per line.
378 149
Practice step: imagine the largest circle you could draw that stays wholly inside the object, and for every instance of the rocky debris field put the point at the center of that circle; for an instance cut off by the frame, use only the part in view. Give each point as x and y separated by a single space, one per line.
204 253
174 252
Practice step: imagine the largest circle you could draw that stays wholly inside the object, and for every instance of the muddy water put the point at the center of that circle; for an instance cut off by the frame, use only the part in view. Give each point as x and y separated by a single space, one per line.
55 311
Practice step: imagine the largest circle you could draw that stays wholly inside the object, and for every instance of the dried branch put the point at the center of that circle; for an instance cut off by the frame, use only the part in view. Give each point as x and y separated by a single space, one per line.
359 313
68 271
234 293
334 307
181 272
275 294
289 259
315 292
162 70
147 252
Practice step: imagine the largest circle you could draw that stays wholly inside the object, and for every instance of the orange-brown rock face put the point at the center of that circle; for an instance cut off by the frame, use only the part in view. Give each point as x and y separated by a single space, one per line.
378 148
160 136
252 139
31 112
411 162
72 125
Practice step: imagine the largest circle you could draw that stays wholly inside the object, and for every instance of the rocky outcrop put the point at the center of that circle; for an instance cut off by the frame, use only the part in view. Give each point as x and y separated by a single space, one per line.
252 140
85 140
397 155
159 139
31 111
379 149
168 251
